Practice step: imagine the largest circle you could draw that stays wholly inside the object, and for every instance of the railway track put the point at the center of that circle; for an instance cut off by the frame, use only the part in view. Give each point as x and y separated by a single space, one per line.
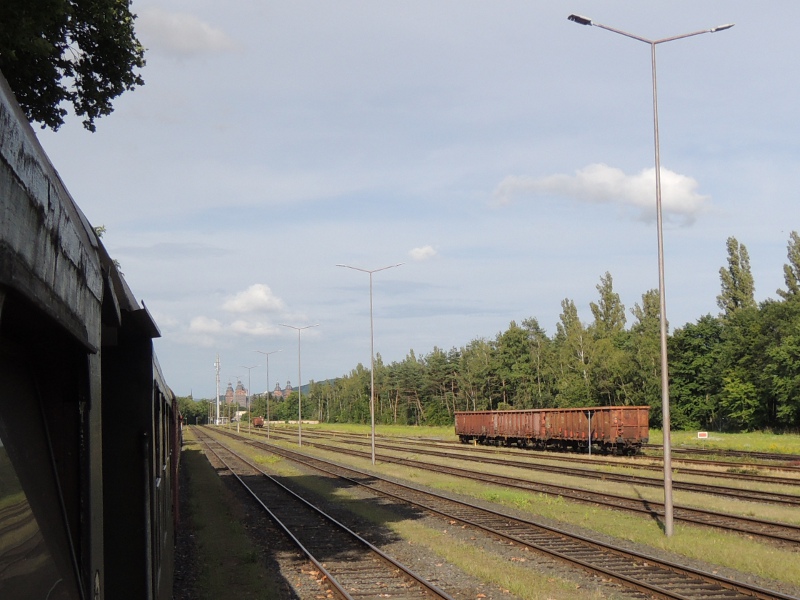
760 528
788 463
744 471
773 456
727 491
647 574
353 567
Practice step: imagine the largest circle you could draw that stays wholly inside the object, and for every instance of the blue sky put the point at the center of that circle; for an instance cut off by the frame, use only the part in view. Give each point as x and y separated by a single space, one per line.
501 152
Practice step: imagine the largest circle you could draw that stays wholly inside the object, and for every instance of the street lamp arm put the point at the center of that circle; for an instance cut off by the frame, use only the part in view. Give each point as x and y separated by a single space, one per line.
685 35
299 328
370 271
354 268
581 20
389 267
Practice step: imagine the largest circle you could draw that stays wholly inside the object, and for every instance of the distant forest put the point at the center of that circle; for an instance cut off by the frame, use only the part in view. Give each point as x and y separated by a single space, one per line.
736 371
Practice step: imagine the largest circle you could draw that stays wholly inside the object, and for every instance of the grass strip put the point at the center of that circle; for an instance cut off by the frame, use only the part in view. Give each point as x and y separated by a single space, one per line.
510 576
716 547
229 561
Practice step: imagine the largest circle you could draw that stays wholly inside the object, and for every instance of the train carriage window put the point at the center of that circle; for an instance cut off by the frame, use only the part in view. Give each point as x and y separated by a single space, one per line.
34 556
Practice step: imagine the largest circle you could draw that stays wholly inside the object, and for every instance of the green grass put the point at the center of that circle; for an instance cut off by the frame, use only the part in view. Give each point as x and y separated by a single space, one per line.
509 576
728 550
230 562
443 431
756 441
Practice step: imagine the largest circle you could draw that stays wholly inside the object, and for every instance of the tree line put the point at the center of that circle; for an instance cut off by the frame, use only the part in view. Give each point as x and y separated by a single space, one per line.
736 371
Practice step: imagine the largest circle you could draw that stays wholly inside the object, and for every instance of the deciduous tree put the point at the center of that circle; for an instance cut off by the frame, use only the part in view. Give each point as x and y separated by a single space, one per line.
738 288
81 52
574 354
791 270
608 311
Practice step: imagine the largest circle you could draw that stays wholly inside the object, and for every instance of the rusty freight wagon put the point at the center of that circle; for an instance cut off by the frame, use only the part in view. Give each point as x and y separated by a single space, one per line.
610 429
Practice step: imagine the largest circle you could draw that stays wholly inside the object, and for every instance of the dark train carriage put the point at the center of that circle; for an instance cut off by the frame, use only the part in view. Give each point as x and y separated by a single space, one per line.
139 421
620 429
51 286
88 439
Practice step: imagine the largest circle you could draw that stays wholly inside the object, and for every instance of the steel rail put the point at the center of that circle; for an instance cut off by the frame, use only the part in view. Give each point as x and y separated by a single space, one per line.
769 530
720 490
430 588
639 563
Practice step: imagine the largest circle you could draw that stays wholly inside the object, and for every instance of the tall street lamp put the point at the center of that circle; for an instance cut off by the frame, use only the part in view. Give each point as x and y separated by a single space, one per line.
668 507
371 351
249 419
216 369
299 383
268 391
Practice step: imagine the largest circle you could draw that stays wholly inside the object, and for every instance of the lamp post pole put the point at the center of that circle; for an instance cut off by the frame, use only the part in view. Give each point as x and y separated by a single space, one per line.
249 419
668 505
268 392
216 369
371 351
299 383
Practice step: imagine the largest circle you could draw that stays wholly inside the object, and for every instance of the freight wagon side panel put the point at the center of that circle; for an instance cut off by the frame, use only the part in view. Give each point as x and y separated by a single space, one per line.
538 425
577 425
508 424
602 425
502 424
475 423
635 424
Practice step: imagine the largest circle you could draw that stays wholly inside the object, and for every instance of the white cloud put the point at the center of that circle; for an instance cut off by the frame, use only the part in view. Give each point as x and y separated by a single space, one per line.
204 325
206 332
256 298
423 253
599 183
256 329
181 34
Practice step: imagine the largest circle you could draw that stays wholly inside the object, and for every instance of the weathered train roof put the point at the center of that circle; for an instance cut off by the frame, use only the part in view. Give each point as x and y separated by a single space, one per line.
49 252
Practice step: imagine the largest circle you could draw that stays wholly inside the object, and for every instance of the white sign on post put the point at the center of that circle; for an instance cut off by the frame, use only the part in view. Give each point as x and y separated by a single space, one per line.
702 435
